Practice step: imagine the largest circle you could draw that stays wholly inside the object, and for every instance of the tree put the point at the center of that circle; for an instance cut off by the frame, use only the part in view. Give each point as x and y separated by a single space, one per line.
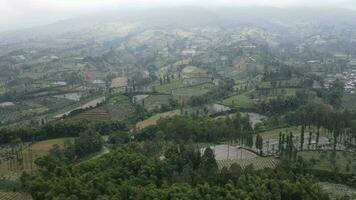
259 143
88 142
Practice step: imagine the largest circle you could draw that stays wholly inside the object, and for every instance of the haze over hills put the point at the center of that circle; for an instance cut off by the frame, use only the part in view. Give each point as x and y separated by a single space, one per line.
181 103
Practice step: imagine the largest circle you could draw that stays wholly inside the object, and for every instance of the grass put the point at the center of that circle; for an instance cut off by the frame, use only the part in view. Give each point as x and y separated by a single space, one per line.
242 101
344 162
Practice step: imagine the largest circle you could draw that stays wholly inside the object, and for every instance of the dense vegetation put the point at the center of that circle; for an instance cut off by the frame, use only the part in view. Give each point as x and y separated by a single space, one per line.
127 173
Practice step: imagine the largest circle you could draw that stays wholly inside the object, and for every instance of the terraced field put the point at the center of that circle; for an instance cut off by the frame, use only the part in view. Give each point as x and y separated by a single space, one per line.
120 108
14 196
258 162
99 114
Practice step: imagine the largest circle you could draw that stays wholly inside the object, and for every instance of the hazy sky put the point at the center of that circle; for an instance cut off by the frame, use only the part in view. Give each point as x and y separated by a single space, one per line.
26 13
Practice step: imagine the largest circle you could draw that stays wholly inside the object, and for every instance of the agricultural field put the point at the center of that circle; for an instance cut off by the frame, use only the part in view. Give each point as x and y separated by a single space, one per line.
168 87
90 104
99 114
274 133
338 191
120 108
119 82
341 162
153 120
193 90
30 153
274 92
349 101
155 101
14 196
2 88
228 152
243 101
257 163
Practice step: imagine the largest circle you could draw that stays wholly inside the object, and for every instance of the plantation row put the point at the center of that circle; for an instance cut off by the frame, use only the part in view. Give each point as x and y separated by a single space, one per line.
257 163
14 196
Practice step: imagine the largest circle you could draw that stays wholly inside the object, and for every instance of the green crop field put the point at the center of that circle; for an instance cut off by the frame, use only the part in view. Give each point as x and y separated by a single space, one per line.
155 101
242 101
338 191
193 90
257 163
274 134
349 101
341 161
120 108
167 88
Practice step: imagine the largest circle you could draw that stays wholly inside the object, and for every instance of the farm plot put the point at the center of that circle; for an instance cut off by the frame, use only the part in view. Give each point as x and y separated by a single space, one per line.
340 161
193 90
15 196
227 152
119 82
120 108
242 101
153 120
257 163
338 191
2 89
99 114
168 87
90 104
155 101
28 155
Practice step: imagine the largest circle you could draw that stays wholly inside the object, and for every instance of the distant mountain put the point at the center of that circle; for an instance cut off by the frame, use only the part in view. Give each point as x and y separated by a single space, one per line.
291 24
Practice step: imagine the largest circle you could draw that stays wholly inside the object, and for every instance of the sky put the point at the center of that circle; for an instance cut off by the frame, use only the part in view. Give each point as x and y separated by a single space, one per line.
17 14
